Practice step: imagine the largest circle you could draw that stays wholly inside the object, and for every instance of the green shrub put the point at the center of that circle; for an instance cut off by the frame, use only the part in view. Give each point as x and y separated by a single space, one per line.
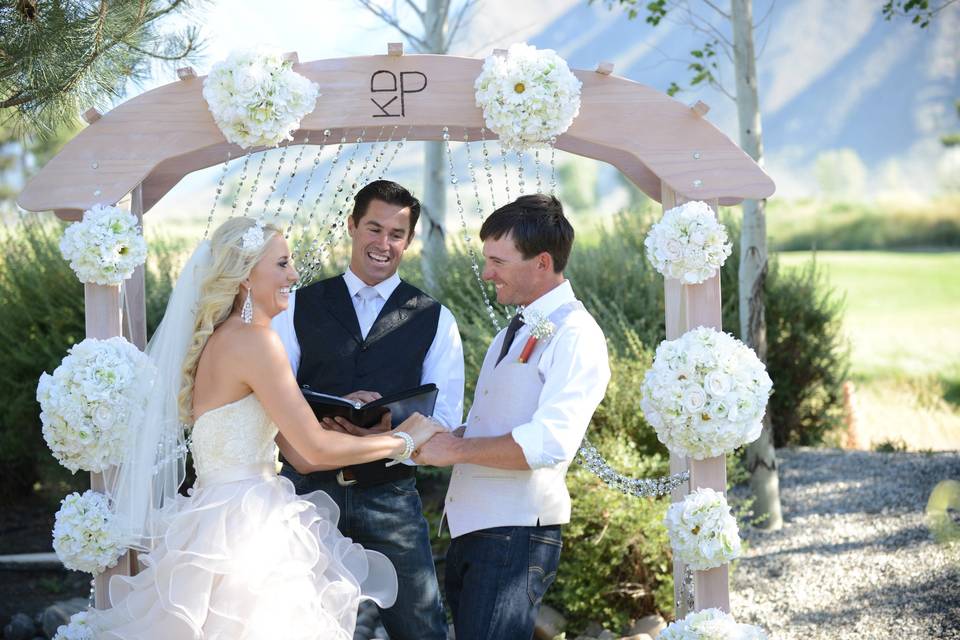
43 316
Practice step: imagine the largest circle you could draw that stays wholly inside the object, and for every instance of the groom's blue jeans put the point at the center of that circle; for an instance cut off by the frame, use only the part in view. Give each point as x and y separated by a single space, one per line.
496 578
389 518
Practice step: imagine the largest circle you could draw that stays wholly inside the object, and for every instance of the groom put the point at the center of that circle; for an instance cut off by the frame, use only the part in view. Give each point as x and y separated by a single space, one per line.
364 334
534 399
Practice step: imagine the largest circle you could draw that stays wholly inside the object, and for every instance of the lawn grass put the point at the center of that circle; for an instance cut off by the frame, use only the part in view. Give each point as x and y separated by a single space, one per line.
903 320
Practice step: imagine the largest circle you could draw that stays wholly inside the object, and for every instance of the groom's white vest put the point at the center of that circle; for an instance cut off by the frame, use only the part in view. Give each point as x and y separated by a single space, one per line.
507 396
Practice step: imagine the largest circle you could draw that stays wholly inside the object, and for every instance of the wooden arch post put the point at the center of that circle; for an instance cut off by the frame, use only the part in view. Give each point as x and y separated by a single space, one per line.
146 145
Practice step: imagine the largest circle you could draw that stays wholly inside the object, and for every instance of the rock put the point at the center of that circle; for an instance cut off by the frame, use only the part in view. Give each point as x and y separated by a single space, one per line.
59 614
637 636
20 628
606 635
550 623
650 625
593 630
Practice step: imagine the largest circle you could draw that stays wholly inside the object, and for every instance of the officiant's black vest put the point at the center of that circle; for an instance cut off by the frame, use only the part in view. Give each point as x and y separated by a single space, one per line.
336 359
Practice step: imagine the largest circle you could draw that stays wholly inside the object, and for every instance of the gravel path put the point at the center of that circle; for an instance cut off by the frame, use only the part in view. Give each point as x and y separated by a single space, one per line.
855 558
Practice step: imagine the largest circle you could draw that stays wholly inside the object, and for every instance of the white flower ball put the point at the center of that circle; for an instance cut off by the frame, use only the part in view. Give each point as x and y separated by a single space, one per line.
702 531
705 394
105 247
711 624
85 535
76 629
257 99
688 243
528 97
89 403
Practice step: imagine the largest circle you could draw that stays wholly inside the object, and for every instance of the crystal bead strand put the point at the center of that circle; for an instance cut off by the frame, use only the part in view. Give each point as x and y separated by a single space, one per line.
273 182
506 173
488 167
589 457
316 203
520 172
378 160
553 167
368 161
318 251
256 182
291 177
243 179
216 197
466 236
306 184
396 150
536 164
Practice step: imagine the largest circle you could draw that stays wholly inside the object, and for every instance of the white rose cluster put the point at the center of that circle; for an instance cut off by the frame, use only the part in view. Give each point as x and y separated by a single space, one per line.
711 624
76 629
702 531
705 394
85 535
257 99
90 401
688 243
105 246
528 97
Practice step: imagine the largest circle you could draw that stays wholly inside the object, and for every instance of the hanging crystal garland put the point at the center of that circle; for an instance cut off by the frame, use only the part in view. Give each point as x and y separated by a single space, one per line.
216 197
520 189
306 184
396 150
381 154
368 161
320 248
316 203
506 173
253 185
553 166
536 165
290 178
463 221
488 168
273 182
589 457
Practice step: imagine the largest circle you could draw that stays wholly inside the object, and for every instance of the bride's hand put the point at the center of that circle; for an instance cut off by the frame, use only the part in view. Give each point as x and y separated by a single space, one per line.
421 428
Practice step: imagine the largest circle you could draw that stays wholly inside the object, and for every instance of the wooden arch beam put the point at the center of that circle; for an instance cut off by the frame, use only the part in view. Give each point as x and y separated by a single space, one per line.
158 137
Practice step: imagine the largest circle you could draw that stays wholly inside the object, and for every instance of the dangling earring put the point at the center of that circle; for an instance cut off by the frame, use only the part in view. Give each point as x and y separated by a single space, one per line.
246 312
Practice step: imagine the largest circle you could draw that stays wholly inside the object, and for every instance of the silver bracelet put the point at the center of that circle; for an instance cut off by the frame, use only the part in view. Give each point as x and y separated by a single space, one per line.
409 445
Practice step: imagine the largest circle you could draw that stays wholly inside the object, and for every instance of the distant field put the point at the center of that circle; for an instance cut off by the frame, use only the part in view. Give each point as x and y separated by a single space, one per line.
903 319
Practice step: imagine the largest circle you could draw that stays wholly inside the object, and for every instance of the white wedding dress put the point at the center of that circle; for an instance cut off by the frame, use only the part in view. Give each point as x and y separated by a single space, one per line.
243 557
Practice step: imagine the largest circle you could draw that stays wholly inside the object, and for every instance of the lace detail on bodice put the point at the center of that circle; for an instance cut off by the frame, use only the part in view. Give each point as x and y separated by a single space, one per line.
235 435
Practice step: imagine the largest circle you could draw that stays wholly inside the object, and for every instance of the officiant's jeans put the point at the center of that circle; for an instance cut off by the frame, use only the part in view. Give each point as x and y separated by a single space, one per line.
389 518
496 578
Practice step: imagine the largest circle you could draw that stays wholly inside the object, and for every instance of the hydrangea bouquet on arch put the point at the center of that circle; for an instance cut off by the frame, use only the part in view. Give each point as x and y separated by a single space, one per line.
703 533
688 243
711 624
105 246
256 97
85 536
705 394
529 96
90 401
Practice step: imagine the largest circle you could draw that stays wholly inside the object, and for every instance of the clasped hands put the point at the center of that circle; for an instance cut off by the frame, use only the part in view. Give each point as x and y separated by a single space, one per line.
435 445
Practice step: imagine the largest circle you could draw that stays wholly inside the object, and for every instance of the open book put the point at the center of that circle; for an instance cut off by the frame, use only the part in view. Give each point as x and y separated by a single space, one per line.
401 405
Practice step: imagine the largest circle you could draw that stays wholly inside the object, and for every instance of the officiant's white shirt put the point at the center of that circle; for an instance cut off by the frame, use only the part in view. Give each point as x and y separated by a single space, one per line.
575 371
442 366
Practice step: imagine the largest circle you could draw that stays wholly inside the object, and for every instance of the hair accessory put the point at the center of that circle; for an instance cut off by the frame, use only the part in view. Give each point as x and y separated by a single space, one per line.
253 238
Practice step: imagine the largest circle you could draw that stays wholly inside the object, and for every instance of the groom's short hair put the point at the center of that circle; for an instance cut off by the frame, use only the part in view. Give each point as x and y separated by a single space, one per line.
389 192
537 224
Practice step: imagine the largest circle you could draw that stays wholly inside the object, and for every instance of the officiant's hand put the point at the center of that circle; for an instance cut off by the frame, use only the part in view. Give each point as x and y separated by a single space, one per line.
439 451
363 396
342 425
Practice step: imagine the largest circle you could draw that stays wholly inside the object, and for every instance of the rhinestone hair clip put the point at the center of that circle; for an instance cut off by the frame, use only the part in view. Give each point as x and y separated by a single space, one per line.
253 238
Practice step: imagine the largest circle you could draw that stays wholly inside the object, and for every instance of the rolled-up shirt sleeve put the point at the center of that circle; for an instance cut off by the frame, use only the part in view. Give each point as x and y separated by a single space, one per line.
575 371
443 366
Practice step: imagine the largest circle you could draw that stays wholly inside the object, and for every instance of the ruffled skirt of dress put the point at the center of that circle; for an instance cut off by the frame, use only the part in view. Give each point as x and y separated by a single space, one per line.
248 560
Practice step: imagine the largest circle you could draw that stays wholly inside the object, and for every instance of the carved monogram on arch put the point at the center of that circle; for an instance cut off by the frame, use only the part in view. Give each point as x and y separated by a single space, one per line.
391 89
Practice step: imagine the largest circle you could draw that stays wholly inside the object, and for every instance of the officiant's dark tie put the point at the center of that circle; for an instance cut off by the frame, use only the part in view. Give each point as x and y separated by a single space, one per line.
512 329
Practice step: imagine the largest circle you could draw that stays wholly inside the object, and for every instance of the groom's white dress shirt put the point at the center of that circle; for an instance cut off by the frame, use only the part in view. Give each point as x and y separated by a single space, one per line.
545 405
442 366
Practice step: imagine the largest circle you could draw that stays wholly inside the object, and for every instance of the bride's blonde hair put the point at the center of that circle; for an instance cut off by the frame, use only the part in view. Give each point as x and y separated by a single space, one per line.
230 265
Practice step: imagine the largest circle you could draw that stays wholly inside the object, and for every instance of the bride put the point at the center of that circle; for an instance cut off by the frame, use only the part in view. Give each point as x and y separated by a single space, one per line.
243 557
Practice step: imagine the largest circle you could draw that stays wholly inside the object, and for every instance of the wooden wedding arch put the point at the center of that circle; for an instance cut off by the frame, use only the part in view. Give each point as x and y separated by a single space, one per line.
145 146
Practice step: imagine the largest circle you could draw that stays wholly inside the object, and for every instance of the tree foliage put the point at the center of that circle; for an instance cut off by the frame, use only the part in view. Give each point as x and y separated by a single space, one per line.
60 57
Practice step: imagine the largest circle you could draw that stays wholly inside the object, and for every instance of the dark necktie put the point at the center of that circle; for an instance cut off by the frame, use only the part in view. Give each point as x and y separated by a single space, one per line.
512 329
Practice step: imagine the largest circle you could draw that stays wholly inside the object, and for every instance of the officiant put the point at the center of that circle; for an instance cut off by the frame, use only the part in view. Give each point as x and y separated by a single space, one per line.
364 334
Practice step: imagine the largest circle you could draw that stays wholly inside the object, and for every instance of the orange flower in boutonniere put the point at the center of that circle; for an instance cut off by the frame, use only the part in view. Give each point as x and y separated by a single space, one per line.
541 329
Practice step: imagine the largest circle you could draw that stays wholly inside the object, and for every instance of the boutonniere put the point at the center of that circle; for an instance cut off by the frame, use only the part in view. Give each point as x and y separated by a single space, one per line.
541 329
